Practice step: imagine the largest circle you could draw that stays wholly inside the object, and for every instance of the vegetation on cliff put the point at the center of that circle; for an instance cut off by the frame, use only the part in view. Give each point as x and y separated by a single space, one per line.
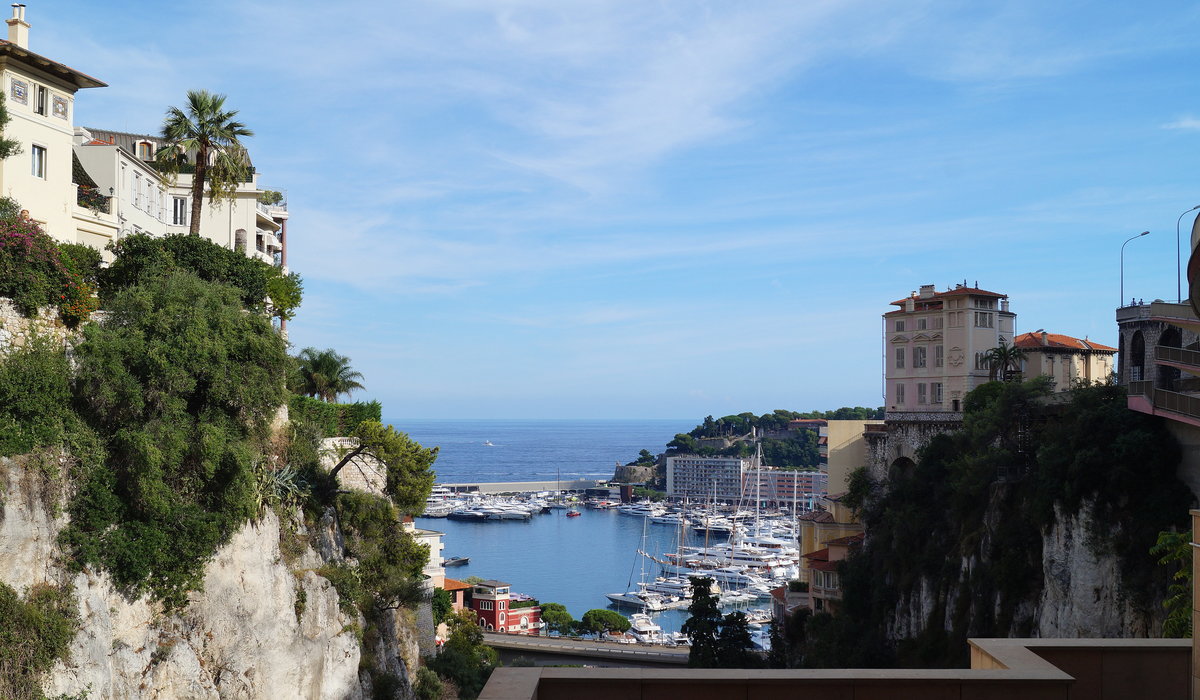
965 524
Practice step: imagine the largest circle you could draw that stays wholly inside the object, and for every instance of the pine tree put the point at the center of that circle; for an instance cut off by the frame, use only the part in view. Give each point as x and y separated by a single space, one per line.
703 626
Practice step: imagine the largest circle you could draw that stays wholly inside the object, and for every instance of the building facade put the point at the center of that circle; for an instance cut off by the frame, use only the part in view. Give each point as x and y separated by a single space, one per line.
935 345
704 478
1064 359
491 603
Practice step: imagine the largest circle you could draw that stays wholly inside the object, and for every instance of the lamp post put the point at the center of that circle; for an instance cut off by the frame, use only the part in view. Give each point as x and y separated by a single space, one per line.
1178 286
1143 233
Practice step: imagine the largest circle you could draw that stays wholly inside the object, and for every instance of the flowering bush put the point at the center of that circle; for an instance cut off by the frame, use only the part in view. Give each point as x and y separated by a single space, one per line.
35 273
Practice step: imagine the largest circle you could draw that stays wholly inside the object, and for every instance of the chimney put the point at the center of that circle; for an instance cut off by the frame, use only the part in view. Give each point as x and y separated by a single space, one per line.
18 28
1044 338
1004 305
927 290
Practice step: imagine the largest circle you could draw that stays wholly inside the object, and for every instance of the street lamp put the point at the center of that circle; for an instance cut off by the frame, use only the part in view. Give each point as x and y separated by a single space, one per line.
1178 286
1143 233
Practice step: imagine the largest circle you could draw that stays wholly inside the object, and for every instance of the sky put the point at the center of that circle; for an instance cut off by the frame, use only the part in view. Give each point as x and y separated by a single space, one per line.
547 209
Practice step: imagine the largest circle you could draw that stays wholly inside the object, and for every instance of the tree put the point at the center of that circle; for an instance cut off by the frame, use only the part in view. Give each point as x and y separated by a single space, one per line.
8 147
326 374
703 625
601 620
409 479
1004 362
1176 548
209 131
442 604
734 644
464 658
557 618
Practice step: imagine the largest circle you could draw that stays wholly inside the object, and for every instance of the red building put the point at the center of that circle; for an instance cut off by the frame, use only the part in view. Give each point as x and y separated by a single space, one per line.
491 601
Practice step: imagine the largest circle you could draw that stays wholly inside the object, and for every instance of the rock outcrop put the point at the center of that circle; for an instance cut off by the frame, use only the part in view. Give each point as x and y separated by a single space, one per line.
261 628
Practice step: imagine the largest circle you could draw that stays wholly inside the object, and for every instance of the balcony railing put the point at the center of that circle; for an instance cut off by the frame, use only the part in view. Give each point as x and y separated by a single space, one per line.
1177 355
1185 404
1143 388
91 199
190 169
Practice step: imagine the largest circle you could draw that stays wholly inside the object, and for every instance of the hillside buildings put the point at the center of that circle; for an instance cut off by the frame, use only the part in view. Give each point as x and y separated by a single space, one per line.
741 480
93 186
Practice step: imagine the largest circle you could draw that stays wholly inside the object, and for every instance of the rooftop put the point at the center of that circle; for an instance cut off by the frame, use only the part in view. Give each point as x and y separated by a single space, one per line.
1040 339
60 71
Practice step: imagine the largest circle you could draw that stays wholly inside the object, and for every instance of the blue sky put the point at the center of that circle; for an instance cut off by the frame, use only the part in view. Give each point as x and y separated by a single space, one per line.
672 209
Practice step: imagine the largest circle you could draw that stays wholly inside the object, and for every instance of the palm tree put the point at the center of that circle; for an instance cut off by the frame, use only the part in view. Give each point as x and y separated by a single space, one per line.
1002 359
326 374
209 132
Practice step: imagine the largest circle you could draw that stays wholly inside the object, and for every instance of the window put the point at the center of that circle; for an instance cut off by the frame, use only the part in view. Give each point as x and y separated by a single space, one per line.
39 100
39 161
500 606
983 303
956 319
485 605
983 320
935 392
921 395
145 150
919 356
981 360
899 325
899 358
939 355
137 190
900 394
179 212
936 324
921 324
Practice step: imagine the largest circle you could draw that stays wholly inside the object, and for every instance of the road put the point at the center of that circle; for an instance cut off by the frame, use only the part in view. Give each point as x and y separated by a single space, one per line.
582 649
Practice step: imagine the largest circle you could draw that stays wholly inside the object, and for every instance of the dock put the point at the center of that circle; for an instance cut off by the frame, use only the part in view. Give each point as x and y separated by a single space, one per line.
522 486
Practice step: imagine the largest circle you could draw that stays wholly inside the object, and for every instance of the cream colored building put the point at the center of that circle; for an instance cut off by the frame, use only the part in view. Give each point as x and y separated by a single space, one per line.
121 163
40 97
935 346
1064 359
846 449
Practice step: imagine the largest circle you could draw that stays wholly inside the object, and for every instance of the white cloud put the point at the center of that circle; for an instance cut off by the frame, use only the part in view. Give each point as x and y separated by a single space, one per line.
1184 123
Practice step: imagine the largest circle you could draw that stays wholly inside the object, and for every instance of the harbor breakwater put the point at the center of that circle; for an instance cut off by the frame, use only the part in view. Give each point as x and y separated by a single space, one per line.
522 486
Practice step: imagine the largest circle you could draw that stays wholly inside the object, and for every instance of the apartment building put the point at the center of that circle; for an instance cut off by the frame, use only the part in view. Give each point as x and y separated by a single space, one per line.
935 345
122 164
40 99
704 478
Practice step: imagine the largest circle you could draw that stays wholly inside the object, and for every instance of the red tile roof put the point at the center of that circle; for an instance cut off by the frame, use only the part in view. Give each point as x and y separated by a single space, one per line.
1040 340
819 555
974 291
846 541
454 585
823 565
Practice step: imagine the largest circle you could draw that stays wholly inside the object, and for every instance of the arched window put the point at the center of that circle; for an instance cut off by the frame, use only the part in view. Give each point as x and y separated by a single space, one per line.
239 240
1137 357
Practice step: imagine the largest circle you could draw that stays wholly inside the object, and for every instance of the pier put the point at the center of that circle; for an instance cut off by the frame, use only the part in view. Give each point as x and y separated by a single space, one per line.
565 650
522 486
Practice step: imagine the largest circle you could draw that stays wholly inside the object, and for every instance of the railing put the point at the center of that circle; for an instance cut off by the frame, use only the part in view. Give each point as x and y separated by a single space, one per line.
1186 404
190 169
91 199
1142 388
1178 355
269 208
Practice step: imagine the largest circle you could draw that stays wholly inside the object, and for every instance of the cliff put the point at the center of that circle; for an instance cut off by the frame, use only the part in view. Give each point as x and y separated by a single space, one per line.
261 628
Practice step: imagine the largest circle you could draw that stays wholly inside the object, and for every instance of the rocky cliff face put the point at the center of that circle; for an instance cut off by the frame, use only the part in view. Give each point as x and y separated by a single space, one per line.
260 629
1078 594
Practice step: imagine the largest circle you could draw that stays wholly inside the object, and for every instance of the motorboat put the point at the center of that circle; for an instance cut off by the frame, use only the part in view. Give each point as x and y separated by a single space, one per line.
573 513
645 629
456 561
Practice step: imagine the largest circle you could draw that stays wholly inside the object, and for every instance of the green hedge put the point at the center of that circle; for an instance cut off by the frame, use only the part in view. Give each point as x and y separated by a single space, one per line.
333 419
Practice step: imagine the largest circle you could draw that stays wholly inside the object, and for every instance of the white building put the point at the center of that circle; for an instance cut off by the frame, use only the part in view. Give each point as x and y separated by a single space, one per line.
704 478
40 98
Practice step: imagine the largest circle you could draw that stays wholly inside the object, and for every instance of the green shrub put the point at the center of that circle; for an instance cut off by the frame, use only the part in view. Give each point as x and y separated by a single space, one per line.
35 398
82 260
182 383
35 273
34 633
140 257
333 419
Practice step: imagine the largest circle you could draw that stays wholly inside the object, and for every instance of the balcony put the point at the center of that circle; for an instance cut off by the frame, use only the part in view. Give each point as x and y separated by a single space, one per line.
93 200
1164 311
1180 358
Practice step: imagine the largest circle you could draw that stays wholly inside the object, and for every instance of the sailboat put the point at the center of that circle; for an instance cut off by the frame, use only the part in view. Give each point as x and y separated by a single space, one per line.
642 597
558 503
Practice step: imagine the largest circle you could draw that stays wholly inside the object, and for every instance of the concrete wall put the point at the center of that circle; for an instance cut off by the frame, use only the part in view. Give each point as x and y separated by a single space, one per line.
1091 669
847 451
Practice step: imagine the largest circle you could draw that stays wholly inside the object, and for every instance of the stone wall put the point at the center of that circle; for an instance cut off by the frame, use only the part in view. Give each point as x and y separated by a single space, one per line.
16 331
906 434
363 473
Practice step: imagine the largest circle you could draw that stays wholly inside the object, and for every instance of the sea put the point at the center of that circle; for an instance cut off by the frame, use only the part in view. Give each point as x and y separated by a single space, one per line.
553 558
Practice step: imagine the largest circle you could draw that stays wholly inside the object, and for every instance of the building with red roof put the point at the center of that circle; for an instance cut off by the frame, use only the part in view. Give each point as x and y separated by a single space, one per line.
1065 359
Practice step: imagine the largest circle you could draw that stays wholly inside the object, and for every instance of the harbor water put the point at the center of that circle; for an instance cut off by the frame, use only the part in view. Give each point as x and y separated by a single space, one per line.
573 561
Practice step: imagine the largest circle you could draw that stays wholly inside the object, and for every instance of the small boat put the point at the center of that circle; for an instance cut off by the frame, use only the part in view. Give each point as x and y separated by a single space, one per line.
573 513
488 443
456 561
